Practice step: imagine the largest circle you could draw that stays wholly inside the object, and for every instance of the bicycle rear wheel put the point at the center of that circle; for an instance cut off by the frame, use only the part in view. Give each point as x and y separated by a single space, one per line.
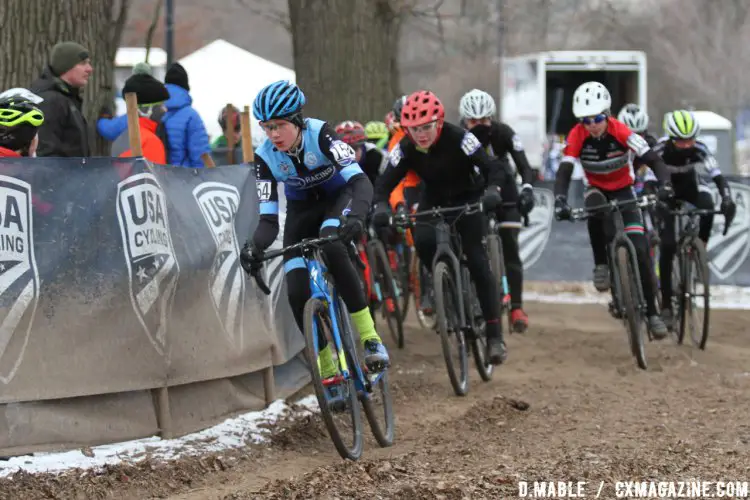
479 330
695 299
447 299
497 265
337 397
400 271
629 293
427 321
376 397
380 268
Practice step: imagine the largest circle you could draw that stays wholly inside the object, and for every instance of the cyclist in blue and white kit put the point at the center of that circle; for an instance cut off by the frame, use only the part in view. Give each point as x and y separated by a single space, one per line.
326 193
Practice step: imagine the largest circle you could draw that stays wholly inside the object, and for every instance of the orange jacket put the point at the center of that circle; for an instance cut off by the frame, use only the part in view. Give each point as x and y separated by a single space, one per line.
153 149
396 138
411 179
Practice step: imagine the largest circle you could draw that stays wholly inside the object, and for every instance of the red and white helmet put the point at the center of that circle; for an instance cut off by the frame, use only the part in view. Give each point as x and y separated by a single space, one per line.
351 132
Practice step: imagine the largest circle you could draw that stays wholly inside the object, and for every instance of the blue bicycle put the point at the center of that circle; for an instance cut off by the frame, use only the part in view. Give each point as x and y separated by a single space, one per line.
326 321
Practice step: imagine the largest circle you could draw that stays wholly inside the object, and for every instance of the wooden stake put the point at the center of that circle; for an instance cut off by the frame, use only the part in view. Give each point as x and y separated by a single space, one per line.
208 160
248 155
134 130
229 132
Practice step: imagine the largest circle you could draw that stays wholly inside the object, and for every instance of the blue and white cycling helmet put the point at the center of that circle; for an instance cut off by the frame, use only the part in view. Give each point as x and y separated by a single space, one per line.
280 99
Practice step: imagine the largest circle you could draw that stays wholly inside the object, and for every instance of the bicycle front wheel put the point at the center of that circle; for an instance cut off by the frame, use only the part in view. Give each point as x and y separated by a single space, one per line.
629 293
337 396
452 338
376 395
695 300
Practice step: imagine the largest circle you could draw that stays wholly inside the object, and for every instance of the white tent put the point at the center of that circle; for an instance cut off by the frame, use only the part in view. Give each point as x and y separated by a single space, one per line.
222 73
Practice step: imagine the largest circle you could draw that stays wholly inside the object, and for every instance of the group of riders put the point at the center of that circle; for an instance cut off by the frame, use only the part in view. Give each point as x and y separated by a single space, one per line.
338 180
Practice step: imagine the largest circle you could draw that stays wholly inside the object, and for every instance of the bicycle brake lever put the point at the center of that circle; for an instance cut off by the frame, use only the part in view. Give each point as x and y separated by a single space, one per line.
259 281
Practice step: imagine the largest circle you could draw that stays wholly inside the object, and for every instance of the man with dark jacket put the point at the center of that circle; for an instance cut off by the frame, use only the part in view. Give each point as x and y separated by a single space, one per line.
65 131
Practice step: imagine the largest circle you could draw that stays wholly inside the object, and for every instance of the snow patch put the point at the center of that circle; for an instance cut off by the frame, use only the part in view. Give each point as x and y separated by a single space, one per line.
252 427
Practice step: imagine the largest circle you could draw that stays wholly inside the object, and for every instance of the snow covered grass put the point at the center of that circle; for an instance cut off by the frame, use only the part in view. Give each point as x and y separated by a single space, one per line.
722 296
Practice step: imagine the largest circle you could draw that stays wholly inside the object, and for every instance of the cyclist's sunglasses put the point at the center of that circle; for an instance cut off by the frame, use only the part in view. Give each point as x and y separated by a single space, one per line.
588 120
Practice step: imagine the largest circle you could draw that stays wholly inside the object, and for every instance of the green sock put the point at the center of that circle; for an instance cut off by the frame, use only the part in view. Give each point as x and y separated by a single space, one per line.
365 326
326 365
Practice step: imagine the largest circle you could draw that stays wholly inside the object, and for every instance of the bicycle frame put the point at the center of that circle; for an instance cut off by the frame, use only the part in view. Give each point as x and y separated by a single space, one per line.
321 288
619 239
446 242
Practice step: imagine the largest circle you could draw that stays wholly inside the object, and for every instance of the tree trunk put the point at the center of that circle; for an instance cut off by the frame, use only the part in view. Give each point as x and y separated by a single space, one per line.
344 53
30 28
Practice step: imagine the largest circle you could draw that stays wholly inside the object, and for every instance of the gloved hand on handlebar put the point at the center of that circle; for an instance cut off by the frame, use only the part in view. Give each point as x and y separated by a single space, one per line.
526 199
251 259
381 217
729 209
350 229
491 198
562 209
666 192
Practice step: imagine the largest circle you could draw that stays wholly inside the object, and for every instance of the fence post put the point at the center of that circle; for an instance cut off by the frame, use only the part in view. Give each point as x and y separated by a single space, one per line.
229 132
248 155
134 130
163 412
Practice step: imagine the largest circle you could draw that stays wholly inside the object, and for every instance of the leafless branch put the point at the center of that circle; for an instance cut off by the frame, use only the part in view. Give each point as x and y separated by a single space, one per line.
268 10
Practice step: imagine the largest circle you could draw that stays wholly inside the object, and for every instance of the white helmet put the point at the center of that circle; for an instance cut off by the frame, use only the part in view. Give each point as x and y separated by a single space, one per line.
590 99
476 104
634 117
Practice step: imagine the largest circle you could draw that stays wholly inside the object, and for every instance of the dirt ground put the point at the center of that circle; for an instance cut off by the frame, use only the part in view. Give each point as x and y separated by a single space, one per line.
592 416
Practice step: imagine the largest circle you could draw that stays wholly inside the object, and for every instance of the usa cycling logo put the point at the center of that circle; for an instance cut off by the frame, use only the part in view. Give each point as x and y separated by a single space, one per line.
226 285
533 239
149 254
727 253
19 276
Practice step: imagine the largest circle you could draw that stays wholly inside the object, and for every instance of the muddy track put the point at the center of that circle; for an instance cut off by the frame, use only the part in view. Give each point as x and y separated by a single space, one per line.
591 416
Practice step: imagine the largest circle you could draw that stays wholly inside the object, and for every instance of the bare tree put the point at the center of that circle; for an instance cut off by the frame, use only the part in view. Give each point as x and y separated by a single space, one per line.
344 61
29 29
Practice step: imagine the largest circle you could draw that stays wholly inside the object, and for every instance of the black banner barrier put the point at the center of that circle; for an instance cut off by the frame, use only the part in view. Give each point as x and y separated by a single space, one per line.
118 276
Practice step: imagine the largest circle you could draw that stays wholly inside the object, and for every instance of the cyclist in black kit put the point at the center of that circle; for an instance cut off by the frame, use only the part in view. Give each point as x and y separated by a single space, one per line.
687 159
477 109
452 165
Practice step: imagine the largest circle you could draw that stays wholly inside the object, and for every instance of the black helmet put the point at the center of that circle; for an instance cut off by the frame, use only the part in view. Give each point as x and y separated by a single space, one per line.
398 106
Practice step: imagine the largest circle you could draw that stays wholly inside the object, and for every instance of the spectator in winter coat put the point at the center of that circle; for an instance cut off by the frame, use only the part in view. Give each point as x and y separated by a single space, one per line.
186 132
65 131
111 127
151 95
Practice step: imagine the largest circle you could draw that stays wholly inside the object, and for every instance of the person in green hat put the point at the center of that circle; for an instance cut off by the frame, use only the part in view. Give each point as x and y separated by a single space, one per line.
65 131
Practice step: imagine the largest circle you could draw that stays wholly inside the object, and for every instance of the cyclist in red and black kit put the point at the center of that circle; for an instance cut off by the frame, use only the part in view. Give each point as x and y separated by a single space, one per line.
602 144
477 110
452 165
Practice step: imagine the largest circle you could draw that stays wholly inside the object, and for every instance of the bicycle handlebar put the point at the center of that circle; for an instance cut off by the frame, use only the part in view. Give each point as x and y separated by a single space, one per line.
304 244
611 206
